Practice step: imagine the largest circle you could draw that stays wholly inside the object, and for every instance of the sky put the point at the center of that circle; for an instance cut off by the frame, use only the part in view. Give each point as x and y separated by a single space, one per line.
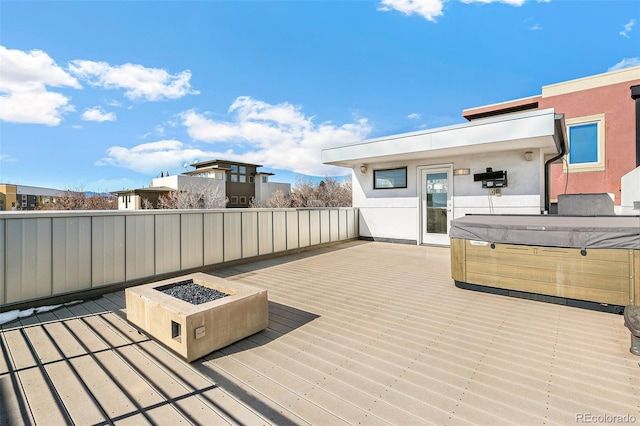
106 95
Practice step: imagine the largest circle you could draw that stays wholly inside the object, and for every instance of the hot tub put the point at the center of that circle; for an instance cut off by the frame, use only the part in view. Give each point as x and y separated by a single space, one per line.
554 258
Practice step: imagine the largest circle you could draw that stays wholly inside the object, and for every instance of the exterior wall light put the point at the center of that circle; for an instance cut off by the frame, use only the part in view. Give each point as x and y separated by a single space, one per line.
528 156
363 168
459 172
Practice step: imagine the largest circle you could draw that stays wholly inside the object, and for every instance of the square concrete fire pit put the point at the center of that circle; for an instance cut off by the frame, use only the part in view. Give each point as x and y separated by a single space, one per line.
195 330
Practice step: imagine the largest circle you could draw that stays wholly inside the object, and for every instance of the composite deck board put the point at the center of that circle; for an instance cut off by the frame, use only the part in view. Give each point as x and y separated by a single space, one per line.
359 333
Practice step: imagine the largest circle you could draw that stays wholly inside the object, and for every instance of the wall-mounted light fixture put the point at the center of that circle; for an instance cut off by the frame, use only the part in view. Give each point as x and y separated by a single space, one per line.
528 155
363 168
458 172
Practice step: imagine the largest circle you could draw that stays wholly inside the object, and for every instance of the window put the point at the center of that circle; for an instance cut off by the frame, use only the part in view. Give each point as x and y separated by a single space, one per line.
243 200
264 179
234 199
243 179
390 178
250 179
234 169
243 170
586 143
234 178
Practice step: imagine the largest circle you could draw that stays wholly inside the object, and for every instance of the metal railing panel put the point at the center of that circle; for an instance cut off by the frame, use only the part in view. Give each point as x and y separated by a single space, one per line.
292 230
72 254
279 231
29 259
304 236
334 225
232 236
325 228
342 225
213 236
2 259
167 243
107 250
46 254
249 234
314 227
191 240
139 246
265 232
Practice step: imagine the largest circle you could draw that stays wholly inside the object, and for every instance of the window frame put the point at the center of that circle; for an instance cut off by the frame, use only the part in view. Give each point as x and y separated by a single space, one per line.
242 199
375 178
234 199
234 178
598 165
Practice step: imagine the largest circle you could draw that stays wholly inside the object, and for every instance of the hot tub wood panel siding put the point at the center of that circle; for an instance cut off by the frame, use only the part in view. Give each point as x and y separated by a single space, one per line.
603 275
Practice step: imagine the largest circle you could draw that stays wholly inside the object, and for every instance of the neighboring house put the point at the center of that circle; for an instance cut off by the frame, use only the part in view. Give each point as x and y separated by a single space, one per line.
21 197
240 183
510 158
601 129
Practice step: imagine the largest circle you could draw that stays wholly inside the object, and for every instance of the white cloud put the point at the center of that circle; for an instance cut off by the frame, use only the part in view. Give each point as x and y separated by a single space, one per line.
278 136
139 83
535 27
98 114
428 9
626 63
627 28
150 158
24 77
413 116
510 2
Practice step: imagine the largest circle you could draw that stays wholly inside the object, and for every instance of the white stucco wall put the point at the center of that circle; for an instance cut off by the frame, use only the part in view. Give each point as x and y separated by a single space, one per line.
394 213
134 202
264 190
630 187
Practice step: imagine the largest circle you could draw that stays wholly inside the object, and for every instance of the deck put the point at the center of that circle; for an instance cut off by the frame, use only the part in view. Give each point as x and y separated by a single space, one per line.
359 333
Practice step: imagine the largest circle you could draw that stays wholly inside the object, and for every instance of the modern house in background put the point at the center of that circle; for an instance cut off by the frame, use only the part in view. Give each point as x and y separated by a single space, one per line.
510 158
240 183
22 197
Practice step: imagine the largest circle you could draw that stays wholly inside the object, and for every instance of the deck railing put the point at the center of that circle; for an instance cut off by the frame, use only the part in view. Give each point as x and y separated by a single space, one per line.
45 254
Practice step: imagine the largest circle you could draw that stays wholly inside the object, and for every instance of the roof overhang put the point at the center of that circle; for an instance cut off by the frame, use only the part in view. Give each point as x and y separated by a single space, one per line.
540 129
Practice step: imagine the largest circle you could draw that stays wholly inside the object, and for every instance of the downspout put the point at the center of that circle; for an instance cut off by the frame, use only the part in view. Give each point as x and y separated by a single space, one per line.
560 130
635 95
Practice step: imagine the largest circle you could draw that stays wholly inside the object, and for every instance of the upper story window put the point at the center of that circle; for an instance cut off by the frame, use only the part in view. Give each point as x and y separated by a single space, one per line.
250 179
586 143
243 170
390 178
234 178
234 169
243 179
265 179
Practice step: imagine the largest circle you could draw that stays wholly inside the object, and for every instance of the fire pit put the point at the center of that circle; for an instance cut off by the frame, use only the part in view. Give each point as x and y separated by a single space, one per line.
197 314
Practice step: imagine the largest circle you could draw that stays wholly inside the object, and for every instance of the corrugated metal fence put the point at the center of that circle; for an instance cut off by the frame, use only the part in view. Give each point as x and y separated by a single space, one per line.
45 254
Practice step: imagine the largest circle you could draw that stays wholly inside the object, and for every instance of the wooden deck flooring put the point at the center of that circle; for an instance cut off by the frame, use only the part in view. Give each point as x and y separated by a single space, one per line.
359 333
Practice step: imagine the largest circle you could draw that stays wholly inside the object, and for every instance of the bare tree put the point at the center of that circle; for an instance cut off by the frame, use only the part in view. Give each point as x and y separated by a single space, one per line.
77 199
146 204
193 197
329 192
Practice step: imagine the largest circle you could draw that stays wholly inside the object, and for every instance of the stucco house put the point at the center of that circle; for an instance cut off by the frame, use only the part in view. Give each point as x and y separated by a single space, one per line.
510 158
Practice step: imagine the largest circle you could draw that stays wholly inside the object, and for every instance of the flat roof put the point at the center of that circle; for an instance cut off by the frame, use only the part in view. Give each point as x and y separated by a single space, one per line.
211 162
359 333
538 129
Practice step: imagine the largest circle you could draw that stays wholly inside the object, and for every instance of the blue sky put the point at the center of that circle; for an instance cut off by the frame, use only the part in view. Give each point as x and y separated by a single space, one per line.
106 95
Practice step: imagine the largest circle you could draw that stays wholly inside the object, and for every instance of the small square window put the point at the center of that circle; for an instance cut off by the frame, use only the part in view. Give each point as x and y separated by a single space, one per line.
390 178
243 179
243 200
234 178
250 179
264 179
234 199
585 143
234 169
243 170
